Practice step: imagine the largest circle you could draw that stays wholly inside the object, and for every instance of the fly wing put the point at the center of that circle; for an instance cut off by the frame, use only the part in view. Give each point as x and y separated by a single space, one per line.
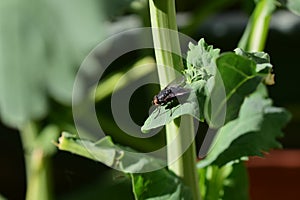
177 87
178 82
179 91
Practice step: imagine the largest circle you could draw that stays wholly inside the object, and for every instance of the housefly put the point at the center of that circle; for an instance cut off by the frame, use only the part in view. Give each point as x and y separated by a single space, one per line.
171 94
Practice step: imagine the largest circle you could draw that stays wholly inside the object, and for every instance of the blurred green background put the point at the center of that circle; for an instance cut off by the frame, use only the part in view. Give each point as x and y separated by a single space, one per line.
42 44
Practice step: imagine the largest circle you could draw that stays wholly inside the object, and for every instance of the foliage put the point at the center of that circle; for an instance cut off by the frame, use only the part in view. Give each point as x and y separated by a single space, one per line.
248 128
245 129
251 127
39 56
105 151
145 185
251 133
42 46
239 75
292 5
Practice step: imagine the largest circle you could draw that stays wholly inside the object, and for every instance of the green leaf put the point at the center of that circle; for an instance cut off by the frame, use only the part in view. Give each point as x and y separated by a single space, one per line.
40 55
69 45
106 152
261 59
202 55
115 7
263 65
262 140
255 130
239 78
159 185
294 6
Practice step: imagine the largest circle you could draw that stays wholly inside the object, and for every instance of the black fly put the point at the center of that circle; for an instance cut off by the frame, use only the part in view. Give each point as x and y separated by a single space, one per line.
171 93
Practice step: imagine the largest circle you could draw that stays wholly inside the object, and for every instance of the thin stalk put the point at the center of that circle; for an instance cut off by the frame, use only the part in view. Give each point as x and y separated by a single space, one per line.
37 165
255 35
163 21
217 176
28 134
39 186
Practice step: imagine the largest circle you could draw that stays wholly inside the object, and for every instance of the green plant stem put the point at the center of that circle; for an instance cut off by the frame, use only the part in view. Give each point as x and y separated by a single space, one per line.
28 134
165 38
163 21
217 176
37 165
255 35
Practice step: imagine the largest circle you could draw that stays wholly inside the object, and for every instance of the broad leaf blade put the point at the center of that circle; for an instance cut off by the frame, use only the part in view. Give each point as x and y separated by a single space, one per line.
262 59
251 133
262 140
239 78
293 6
39 54
105 151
